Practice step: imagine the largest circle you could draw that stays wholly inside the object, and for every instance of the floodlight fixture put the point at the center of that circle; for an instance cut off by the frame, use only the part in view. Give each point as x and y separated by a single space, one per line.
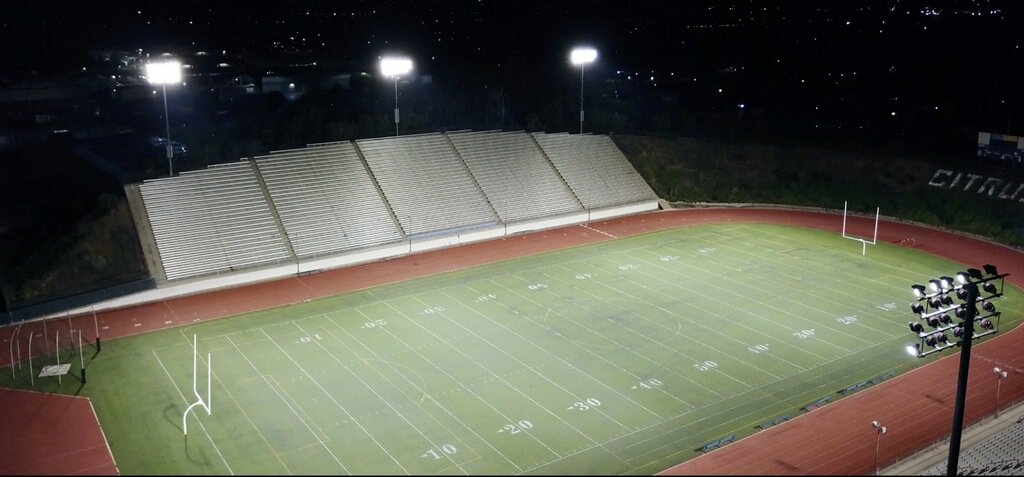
916 308
582 56
915 327
918 290
974 273
989 288
394 66
913 349
947 282
962 277
990 269
935 285
164 72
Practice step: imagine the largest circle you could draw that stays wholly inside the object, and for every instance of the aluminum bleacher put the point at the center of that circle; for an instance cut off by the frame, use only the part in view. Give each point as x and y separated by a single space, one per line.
595 169
212 221
427 185
1000 454
326 200
514 174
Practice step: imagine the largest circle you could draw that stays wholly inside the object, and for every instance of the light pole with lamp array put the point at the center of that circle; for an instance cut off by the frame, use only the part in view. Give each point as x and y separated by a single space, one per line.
582 56
935 312
395 67
1000 376
879 430
165 73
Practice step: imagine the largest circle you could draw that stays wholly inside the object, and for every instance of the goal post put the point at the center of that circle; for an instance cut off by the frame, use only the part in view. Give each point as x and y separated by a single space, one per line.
864 242
205 403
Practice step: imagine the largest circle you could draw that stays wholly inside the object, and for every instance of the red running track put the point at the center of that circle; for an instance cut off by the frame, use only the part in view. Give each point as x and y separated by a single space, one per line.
836 439
50 434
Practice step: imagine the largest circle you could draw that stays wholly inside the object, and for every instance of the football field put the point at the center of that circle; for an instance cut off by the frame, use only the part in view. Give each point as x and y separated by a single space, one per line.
625 356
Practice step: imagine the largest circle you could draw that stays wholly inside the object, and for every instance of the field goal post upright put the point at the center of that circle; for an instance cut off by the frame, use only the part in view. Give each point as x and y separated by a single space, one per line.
864 242
205 403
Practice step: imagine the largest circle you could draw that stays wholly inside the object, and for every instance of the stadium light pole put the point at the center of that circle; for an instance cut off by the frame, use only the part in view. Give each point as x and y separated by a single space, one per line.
879 430
165 73
938 304
581 57
395 67
1000 376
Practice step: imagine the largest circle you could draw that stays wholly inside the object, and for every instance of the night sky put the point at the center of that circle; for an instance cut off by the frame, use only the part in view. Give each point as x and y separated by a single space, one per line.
850 63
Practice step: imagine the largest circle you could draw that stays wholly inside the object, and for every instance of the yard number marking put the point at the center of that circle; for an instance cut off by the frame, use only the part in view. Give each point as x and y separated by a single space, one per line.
668 258
759 348
886 306
537 286
307 339
445 449
584 276
804 333
649 383
585 405
847 320
433 309
487 297
516 427
629 266
374 324
706 365
707 250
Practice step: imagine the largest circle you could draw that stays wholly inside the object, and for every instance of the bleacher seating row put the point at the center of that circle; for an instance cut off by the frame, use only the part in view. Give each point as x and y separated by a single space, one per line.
342 197
1000 454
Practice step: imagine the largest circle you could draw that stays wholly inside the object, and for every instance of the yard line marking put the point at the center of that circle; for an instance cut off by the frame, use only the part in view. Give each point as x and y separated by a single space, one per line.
679 316
740 295
525 431
556 356
730 305
298 406
698 421
290 408
364 383
463 386
742 325
666 328
839 290
237 404
439 405
201 426
602 358
598 231
624 347
538 373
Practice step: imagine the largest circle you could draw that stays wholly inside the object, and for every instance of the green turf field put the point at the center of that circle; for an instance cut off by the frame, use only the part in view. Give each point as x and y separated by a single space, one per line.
620 357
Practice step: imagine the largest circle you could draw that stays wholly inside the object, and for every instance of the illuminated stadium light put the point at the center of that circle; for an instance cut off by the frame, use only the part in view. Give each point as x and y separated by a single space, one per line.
164 73
918 290
393 67
1000 376
913 349
935 313
581 57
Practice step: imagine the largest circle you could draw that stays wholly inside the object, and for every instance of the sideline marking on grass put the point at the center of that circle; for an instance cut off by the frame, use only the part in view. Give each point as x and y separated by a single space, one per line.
602 232
214 444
